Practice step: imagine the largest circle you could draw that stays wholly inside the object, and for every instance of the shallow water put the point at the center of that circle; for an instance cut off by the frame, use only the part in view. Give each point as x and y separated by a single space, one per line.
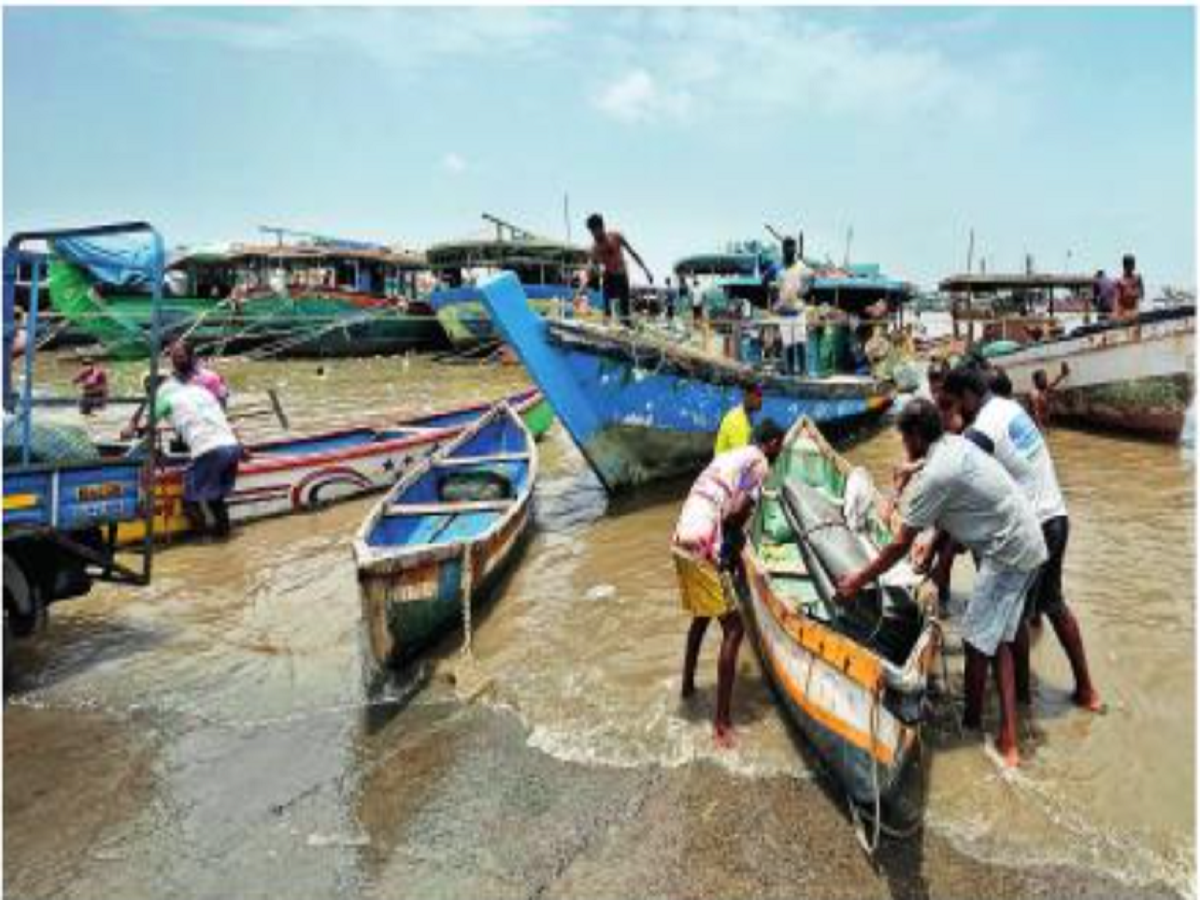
227 735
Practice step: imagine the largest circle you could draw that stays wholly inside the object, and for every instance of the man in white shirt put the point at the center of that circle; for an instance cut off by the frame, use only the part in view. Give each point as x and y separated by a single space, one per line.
966 493
214 449
1001 427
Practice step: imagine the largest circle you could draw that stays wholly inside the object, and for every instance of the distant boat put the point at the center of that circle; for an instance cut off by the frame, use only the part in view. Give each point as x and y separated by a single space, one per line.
642 408
304 473
549 269
1136 377
288 301
445 534
852 677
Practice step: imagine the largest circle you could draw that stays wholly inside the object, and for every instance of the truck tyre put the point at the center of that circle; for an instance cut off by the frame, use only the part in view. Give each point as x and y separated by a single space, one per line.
24 611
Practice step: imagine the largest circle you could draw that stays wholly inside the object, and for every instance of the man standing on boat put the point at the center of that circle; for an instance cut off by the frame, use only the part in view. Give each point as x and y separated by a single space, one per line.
706 542
608 252
968 494
737 426
1130 290
1003 429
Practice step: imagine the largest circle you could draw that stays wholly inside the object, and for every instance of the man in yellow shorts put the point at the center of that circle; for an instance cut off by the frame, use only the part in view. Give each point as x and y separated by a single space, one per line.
705 542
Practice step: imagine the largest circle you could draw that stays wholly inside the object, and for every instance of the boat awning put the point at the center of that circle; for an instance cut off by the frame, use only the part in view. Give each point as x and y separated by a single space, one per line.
991 284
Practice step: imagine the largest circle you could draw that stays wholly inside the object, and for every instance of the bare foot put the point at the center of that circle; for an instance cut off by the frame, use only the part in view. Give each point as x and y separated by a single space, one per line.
1089 700
1009 757
724 736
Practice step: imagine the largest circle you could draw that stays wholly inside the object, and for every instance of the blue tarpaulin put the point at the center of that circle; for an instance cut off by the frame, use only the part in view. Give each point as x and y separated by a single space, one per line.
122 262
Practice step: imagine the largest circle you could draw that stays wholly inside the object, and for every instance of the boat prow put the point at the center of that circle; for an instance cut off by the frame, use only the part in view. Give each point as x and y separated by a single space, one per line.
643 408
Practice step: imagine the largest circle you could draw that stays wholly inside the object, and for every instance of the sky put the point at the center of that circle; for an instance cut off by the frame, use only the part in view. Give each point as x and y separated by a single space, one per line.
1066 133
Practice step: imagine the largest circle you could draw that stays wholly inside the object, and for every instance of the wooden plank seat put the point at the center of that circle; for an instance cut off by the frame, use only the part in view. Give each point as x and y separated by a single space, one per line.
452 462
436 509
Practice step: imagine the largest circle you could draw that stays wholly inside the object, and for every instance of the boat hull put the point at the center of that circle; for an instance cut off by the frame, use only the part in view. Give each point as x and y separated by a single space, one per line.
1137 379
856 696
272 485
312 325
410 607
638 412
864 745
465 319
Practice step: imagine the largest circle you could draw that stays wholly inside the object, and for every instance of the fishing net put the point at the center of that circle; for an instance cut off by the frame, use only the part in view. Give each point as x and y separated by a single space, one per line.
459 487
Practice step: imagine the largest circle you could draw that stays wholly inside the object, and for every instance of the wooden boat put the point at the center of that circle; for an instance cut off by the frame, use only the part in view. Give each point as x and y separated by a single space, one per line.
445 534
1137 377
305 473
546 267
641 407
851 678
288 301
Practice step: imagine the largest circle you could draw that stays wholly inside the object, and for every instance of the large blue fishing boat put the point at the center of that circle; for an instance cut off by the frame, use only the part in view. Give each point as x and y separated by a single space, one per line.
642 407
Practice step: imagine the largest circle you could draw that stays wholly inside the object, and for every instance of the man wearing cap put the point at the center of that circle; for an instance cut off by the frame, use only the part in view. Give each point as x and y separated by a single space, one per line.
736 426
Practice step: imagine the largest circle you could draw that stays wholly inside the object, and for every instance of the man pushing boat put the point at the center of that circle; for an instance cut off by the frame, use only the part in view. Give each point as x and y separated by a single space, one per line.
608 252
963 491
708 540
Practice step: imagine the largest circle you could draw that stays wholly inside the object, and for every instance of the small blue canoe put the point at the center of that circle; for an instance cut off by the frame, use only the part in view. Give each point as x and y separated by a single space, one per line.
445 535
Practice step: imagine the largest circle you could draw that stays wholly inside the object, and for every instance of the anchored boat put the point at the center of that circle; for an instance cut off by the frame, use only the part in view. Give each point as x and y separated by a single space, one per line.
546 267
298 300
1136 376
851 677
443 537
642 407
305 473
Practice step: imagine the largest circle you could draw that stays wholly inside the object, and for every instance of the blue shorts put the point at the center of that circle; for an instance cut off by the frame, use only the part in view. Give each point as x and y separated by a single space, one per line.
996 607
211 476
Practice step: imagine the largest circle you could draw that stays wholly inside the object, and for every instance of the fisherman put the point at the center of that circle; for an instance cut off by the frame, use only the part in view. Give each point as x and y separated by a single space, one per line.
967 494
1104 294
1130 290
737 426
213 446
999 382
708 541
608 251
1039 398
93 386
1003 428
188 370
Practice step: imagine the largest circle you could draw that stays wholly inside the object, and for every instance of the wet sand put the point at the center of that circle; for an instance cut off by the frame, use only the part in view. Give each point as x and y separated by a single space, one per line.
219 735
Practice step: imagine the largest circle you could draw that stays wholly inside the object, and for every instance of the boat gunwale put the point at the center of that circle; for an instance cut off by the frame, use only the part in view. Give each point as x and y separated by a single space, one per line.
374 561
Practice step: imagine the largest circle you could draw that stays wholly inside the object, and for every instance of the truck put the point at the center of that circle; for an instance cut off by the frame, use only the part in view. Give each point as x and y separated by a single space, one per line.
63 497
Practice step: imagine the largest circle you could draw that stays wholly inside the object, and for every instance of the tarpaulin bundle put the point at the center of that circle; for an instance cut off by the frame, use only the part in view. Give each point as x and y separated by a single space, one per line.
124 262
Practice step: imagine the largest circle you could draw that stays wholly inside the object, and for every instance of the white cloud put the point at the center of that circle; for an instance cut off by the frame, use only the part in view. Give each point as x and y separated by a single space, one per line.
454 163
638 97
704 63
399 40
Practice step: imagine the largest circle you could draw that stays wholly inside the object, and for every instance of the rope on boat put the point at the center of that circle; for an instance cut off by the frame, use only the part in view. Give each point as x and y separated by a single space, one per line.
467 590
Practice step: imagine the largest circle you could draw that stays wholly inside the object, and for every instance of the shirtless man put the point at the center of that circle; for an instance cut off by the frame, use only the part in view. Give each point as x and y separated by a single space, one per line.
608 251
1130 290
1039 397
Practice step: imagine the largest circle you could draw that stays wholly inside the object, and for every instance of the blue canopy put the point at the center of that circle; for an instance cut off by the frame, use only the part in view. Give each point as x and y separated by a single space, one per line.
122 262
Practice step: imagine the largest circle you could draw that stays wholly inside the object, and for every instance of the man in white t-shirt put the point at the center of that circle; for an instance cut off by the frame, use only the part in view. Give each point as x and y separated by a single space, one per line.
200 422
967 494
1002 428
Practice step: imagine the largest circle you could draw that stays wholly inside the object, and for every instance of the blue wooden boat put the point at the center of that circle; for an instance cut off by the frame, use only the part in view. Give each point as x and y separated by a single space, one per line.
643 408
445 534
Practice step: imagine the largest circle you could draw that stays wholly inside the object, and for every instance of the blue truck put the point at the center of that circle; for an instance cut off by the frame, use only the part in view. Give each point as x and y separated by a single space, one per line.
64 499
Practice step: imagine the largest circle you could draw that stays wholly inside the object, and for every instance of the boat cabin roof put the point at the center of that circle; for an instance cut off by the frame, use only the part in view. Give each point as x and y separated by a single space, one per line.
472 252
992 284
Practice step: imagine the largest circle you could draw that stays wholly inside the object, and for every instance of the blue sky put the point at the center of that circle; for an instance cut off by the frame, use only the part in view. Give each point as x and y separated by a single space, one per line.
1048 131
